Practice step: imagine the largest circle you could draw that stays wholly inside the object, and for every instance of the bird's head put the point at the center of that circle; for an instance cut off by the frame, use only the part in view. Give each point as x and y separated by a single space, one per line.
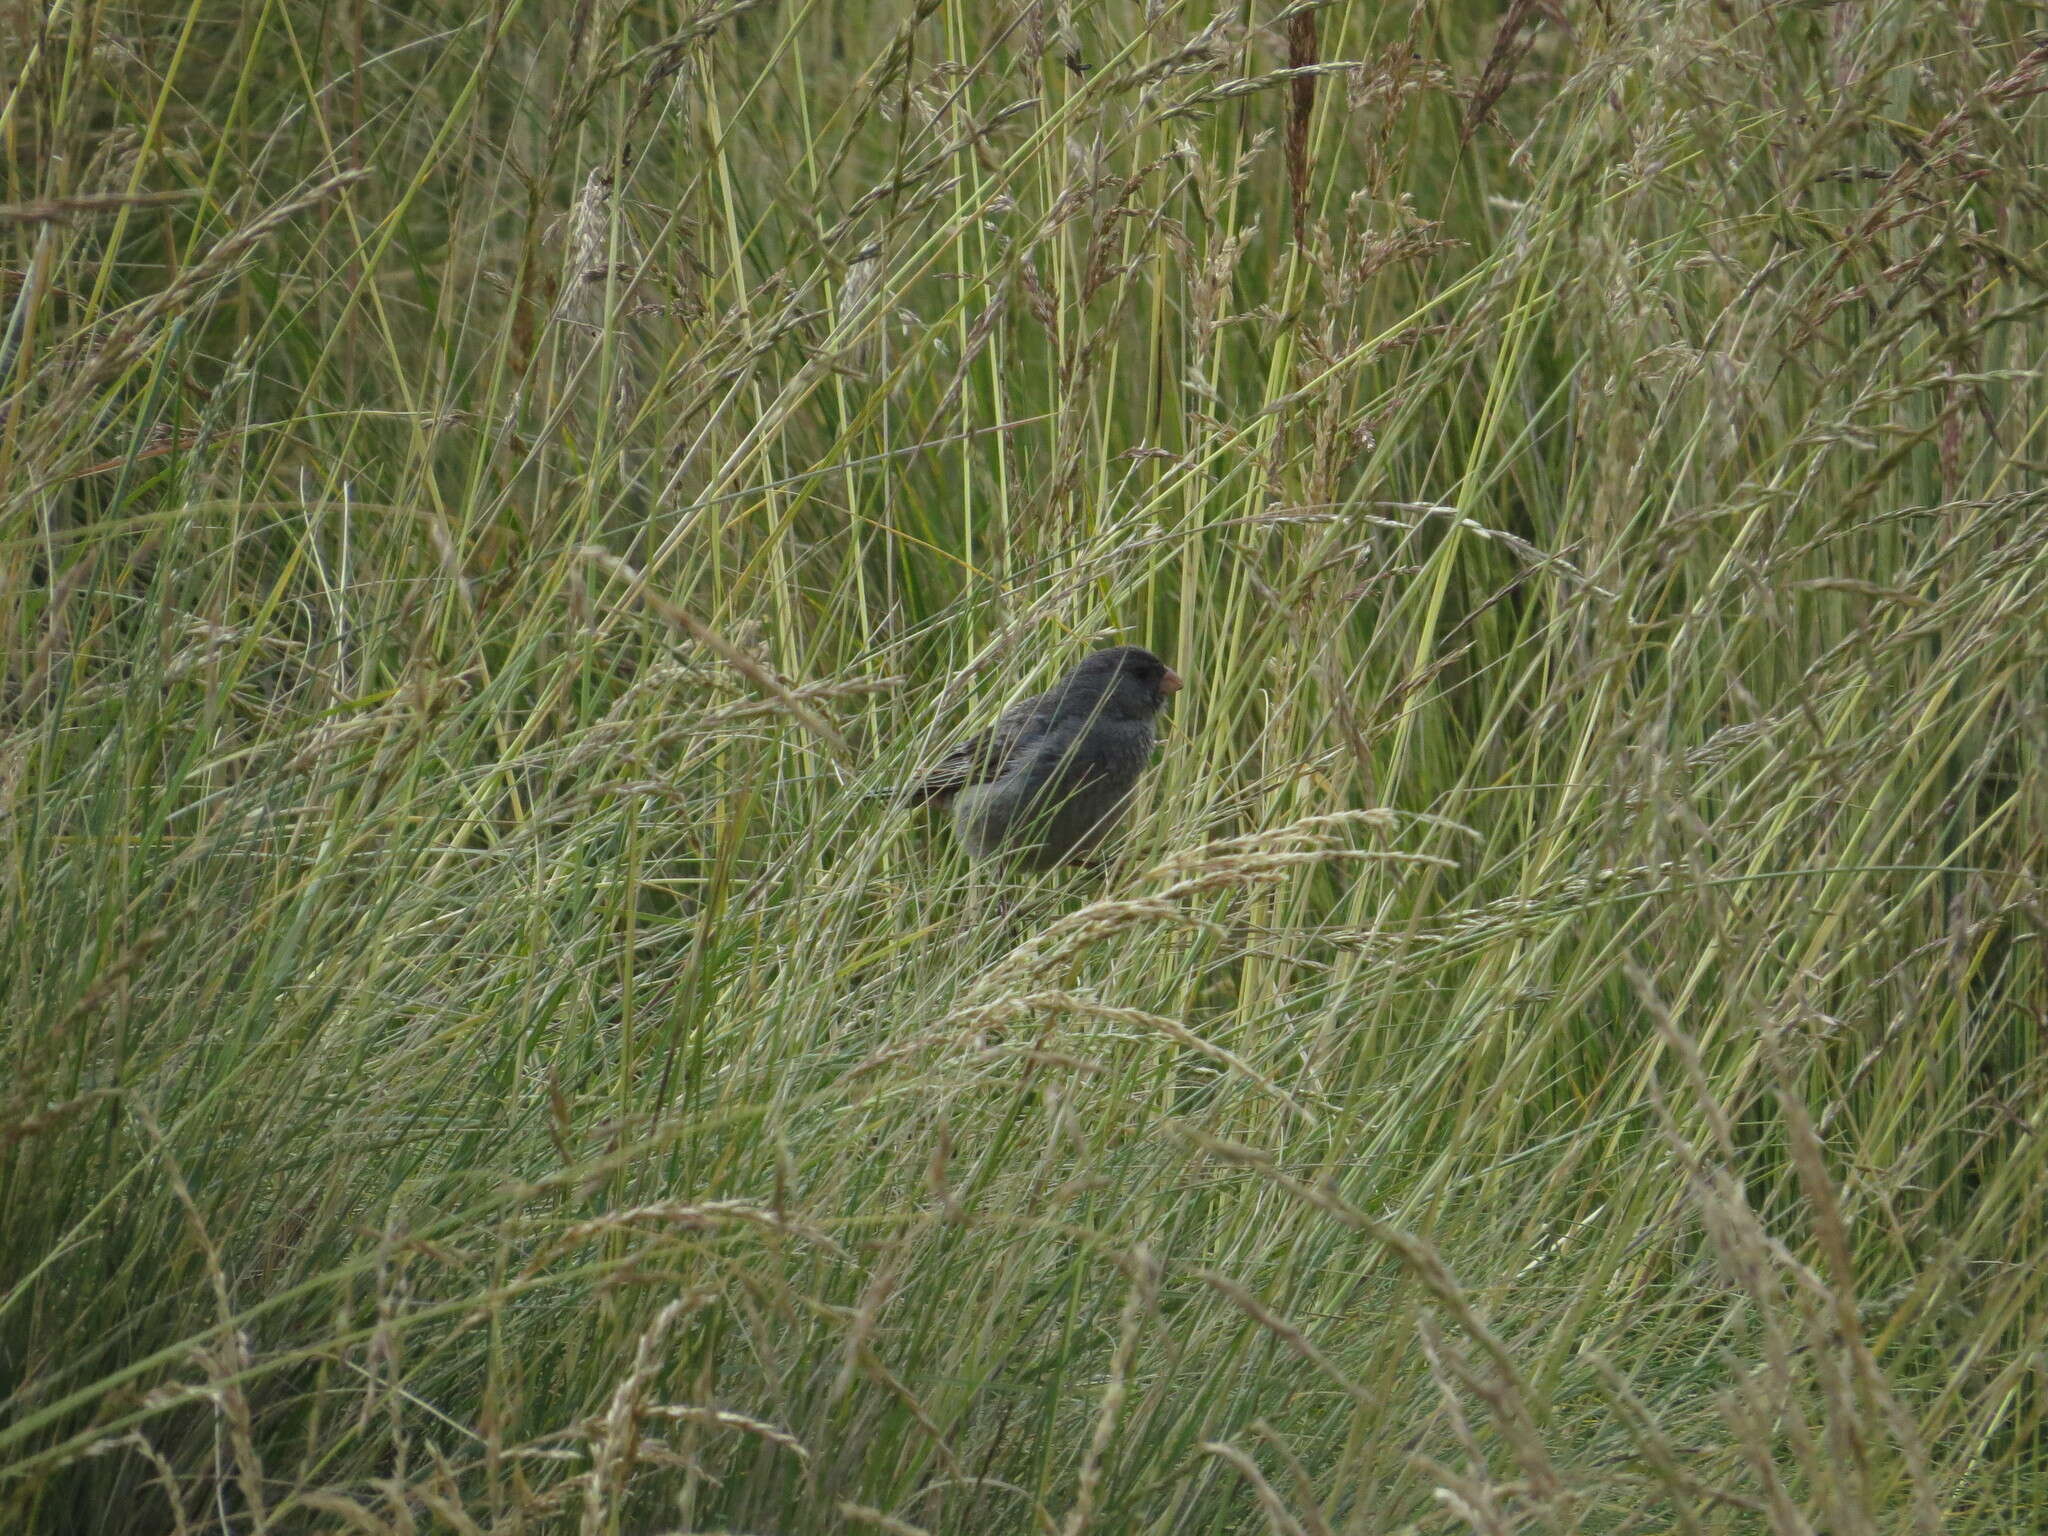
1124 682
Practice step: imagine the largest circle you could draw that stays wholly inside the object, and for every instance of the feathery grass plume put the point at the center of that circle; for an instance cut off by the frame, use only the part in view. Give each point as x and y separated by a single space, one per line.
601 270
860 325
1255 858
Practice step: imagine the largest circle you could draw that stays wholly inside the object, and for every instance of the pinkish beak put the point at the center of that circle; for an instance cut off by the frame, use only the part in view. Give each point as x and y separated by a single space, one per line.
1171 682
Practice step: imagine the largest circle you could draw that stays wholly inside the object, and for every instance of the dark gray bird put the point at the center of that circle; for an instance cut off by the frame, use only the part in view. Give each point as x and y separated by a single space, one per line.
1054 775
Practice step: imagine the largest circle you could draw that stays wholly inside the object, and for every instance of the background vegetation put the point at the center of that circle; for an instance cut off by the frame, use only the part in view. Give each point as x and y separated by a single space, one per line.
485 491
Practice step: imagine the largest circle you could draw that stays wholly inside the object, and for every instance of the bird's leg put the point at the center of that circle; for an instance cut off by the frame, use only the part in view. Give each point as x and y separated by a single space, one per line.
989 901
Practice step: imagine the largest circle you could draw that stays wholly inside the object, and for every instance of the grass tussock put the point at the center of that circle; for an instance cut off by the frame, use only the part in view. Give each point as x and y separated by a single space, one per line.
486 493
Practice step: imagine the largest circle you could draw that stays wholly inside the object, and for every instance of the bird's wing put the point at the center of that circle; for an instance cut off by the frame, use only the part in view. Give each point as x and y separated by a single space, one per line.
985 755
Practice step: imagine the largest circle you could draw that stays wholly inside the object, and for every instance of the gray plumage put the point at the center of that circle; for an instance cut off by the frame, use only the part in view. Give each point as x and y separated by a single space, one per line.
1055 774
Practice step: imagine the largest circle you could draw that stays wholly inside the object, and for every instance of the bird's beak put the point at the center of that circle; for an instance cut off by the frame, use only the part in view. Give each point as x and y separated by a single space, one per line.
1171 682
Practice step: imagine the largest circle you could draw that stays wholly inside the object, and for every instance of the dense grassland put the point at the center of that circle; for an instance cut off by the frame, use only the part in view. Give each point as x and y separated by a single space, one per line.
487 491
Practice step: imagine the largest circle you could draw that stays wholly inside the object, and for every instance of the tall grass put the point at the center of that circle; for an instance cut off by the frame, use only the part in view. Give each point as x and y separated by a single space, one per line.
485 492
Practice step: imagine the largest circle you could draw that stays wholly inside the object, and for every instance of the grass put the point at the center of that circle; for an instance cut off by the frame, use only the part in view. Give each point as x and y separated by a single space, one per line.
484 493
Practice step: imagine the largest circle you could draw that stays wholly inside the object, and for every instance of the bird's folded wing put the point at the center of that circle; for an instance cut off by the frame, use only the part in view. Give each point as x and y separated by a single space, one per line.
984 756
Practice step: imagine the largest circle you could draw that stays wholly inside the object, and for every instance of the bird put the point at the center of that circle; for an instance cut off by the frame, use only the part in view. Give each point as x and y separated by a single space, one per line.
1054 775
